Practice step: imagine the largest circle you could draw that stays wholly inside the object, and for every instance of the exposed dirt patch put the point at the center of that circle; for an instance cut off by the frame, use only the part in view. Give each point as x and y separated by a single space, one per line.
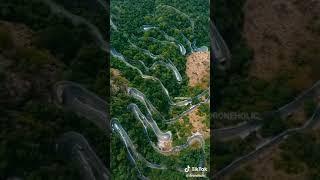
197 124
118 82
115 72
198 69
198 72
21 34
298 118
275 30
263 168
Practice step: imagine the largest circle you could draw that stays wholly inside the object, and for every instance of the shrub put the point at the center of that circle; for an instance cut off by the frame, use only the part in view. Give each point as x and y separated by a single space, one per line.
6 41
31 59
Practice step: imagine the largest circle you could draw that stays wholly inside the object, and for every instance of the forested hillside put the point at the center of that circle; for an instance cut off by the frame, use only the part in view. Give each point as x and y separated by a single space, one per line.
274 48
150 41
38 48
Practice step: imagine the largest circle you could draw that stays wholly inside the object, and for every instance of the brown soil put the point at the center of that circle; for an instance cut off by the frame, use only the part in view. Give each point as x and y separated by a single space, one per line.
115 72
21 34
197 123
198 69
298 118
198 72
118 82
263 168
275 30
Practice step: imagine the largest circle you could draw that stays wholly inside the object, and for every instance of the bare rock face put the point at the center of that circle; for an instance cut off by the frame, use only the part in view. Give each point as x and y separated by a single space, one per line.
198 69
118 83
275 29
165 145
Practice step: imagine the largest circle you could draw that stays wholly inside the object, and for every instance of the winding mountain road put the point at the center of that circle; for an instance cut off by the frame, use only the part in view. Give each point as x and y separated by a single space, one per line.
74 97
252 125
313 121
78 20
220 50
73 146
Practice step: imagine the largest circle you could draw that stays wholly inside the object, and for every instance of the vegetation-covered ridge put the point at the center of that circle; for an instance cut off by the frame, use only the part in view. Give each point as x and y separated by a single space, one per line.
286 97
150 42
39 47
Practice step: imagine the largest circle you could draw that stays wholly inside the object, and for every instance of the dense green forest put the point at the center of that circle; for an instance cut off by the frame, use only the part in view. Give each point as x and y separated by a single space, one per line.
171 18
58 50
297 157
227 84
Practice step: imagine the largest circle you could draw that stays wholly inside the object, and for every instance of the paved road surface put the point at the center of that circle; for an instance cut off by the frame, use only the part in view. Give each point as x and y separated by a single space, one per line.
73 146
314 120
252 125
76 98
